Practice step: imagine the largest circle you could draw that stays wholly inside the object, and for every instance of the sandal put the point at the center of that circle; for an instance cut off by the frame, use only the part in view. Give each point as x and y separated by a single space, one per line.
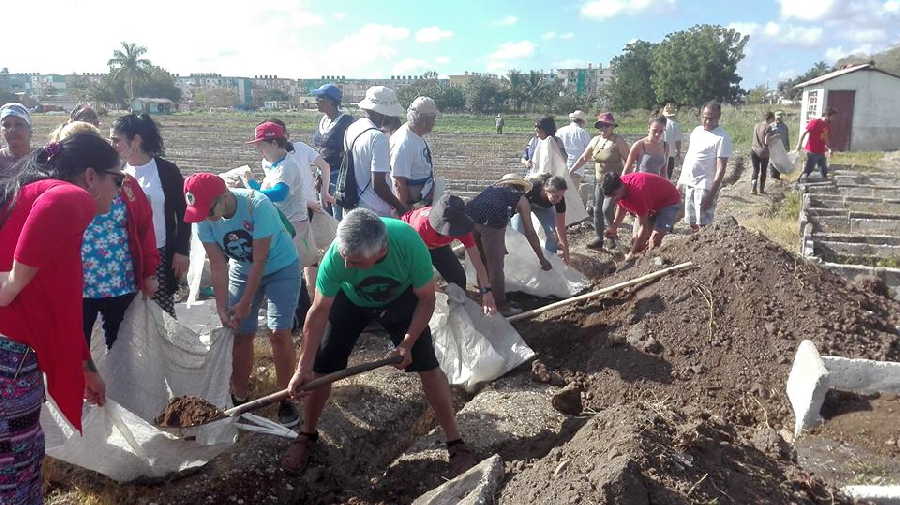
296 457
461 458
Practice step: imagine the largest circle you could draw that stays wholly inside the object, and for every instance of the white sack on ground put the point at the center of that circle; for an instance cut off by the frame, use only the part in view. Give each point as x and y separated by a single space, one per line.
473 348
548 158
154 359
523 271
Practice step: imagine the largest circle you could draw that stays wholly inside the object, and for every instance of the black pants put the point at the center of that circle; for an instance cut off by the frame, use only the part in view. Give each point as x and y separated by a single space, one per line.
347 320
448 265
760 165
670 167
113 311
303 305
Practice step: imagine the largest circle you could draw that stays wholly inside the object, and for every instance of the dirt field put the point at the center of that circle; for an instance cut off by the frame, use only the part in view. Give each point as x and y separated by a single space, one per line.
683 378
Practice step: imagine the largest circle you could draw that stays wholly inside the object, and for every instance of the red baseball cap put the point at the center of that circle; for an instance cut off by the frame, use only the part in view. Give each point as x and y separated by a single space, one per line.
200 191
267 131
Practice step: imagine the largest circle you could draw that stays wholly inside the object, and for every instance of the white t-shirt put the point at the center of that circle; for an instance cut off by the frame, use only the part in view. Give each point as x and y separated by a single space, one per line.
293 170
371 153
411 158
147 176
671 136
575 139
706 147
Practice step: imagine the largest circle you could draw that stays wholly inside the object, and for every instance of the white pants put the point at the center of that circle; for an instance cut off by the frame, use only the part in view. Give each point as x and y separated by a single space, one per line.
693 214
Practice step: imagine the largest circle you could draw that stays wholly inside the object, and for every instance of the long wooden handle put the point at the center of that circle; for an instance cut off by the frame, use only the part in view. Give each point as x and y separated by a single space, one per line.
313 384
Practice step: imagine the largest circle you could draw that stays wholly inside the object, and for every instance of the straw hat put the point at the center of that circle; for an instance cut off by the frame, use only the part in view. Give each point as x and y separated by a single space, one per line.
516 181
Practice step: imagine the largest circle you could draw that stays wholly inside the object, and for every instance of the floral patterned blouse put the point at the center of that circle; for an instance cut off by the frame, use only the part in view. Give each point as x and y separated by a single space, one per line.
106 257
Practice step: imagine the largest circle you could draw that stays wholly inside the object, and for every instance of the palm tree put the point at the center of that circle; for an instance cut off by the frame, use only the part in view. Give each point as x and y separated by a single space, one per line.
128 63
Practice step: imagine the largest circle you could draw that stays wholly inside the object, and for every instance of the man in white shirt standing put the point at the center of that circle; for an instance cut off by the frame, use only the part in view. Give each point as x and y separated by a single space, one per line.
672 138
370 149
575 139
411 167
704 167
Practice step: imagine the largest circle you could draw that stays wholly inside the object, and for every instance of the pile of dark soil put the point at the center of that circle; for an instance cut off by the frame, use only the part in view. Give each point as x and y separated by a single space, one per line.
187 411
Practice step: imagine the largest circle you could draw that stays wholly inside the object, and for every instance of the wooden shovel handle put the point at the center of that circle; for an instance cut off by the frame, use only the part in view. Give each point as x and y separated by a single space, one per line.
313 384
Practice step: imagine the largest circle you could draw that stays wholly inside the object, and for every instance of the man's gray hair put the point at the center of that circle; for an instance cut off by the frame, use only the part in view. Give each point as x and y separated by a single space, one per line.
413 117
361 233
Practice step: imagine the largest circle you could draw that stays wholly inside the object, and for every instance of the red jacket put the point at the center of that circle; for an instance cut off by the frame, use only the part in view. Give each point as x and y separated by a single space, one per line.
141 238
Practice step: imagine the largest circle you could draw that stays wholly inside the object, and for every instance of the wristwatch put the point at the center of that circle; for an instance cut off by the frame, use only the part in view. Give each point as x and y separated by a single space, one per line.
483 291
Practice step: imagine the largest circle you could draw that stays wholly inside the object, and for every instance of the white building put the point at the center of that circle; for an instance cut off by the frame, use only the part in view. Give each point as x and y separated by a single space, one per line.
868 103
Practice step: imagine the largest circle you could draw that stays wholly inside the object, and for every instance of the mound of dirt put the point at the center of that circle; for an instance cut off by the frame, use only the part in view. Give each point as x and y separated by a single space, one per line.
646 453
187 411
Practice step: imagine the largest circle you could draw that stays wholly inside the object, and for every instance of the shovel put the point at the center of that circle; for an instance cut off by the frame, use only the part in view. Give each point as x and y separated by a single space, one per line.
259 403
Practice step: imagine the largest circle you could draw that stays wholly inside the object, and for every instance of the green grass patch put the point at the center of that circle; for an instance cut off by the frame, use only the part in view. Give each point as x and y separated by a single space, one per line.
863 161
779 223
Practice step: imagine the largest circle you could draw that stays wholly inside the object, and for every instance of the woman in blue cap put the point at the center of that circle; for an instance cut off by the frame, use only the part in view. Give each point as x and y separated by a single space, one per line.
328 138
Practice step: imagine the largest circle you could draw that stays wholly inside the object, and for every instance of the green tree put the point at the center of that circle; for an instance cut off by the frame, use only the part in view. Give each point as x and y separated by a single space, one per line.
786 88
128 63
759 94
159 84
447 98
109 90
696 65
485 95
630 86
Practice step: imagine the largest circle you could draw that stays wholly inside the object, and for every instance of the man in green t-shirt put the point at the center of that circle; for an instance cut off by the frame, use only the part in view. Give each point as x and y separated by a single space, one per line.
377 269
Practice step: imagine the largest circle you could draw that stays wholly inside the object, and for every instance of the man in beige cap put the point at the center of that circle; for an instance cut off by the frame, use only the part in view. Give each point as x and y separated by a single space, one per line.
672 138
370 155
411 166
575 139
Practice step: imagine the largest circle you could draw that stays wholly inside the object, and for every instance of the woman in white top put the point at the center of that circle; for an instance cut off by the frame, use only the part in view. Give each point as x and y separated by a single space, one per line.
137 140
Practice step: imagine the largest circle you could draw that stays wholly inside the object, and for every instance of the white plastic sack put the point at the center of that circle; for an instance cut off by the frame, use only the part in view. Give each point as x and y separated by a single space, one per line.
234 177
473 348
523 271
154 359
548 159
198 274
782 161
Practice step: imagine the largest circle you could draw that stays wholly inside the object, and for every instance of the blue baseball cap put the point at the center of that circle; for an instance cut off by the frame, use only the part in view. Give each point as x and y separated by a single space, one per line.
329 91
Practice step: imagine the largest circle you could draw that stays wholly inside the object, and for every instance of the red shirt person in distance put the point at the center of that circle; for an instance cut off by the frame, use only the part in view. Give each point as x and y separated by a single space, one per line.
654 200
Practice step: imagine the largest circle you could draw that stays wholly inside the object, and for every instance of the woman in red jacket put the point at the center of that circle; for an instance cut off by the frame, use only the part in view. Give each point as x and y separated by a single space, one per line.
43 214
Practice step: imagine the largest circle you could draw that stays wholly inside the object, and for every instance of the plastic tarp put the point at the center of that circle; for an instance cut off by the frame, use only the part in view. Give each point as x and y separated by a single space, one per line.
154 359
548 158
473 348
784 162
523 271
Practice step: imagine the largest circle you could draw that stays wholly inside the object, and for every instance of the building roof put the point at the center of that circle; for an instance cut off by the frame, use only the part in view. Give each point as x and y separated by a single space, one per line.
848 70
153 100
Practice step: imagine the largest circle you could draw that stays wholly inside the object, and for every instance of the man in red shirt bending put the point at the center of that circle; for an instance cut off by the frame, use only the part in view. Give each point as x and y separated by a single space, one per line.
818 147
441 224
654 200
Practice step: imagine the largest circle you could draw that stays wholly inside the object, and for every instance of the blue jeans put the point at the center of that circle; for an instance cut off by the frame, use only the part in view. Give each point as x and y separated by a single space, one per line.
813 159
282 288
547 217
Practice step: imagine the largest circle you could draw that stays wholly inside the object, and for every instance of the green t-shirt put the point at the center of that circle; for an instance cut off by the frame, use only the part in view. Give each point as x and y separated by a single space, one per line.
407 263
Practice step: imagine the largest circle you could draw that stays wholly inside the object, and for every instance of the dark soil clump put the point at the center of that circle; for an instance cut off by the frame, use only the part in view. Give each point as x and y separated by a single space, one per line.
187 411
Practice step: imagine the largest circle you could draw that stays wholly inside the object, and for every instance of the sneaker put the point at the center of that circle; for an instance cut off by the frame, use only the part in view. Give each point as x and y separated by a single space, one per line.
597 243
237 400
461 458
296 457
288 416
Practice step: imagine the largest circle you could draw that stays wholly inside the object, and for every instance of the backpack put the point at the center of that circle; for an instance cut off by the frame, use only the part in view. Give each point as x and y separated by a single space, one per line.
346 191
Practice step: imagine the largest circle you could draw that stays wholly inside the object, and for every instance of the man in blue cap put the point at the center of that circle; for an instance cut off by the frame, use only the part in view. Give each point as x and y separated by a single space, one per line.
15 127
328 138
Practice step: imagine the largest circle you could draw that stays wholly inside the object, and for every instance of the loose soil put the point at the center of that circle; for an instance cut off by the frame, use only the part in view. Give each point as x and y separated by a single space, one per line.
870 421
187 411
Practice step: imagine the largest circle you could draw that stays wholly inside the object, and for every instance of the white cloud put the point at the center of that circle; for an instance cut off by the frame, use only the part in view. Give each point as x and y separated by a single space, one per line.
549 36
788 74
339 15
513 51
369 45
807 10
571 63
774 33
891 6
507 21
833 54
868 35
443 60
605 9
744 28
567 36
409 66
433 34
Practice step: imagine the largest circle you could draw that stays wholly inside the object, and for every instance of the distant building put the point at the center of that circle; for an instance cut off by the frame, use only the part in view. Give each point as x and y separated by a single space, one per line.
584 81
152 106
868 116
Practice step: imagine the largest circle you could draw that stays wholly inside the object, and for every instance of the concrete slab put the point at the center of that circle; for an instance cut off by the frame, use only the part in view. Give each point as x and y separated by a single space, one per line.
806 386
477 486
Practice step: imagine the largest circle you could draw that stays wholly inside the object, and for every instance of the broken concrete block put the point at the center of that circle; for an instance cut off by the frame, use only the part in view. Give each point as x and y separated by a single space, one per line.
806 386
477 486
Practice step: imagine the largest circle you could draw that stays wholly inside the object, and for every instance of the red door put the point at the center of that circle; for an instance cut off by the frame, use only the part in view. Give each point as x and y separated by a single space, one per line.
842 122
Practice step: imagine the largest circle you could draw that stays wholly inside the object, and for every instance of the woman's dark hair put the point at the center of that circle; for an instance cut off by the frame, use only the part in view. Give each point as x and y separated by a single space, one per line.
611 183
143 125
548 180
64 160
547 124
769 117
283 143
84 112
658 119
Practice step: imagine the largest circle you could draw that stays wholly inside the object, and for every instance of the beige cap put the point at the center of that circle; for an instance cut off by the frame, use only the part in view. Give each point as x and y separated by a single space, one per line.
578 114
382 100
424 105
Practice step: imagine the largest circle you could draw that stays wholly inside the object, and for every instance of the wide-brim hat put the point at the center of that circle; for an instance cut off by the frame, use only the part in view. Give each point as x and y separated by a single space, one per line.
578 115
670 110
448 216
605 119
515 180
382 100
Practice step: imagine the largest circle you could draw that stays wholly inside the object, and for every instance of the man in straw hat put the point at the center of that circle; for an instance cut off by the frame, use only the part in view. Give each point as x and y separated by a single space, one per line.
672 138
575 139
491 211
370 150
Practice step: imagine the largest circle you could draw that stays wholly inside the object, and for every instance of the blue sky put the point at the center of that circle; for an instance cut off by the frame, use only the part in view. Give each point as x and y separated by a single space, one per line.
303 38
